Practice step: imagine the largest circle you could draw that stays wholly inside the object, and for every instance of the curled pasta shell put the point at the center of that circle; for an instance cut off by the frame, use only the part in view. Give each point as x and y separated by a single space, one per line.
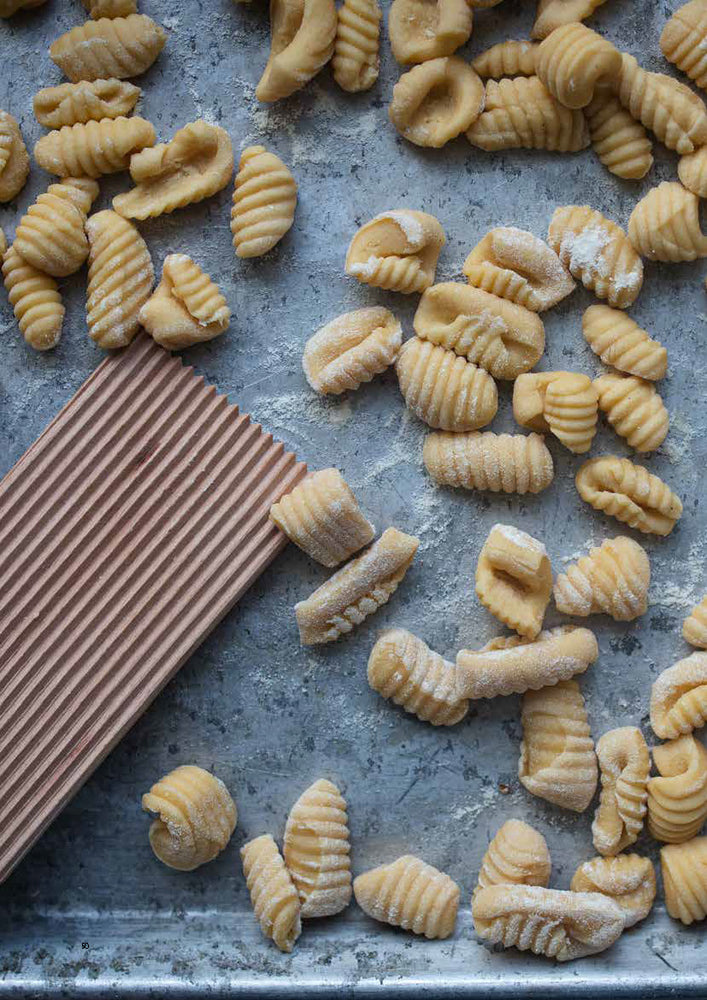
512 665
564 403
665 224
410 894
317 848
426 29
629 880
186 308
517 855
677 800
679 697
322 516
355 61
624 767
264 201
552 14
692 171
93 148
195 817
436 101
573 61
613 579
620 342
117 47
618 139
684 868
14 161
396 250
630 493
507 59
403 668
443 389
35 300
694 628
302 34
72 103
501 463
634 409
272 892
514 579
50 236
352 349
683 41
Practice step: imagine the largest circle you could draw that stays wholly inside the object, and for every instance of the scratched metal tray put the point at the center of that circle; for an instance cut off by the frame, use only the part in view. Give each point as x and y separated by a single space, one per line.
89 912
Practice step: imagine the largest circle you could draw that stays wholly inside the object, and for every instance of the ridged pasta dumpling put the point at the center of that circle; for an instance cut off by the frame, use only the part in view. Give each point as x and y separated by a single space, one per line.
272 892
514 579
683 41
692 171
264 201
517 855
677 798
564 403
573 61
78 103
624 768
186 308
436 101
665 224
618 139
630 493
410 894
679 697
500 463
352 349
552 14
613 579
620 342
506 59
427 29
684 868
634 409
14 161
116 47
50 236
93 148
694 628
355 62
35 300
628 880
397 251
302 34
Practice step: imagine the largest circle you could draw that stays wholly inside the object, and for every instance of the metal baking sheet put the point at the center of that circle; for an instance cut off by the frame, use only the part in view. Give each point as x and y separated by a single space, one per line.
89 912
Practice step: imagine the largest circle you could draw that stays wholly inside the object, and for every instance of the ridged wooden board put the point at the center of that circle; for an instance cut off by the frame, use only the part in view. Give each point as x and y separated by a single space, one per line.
127 530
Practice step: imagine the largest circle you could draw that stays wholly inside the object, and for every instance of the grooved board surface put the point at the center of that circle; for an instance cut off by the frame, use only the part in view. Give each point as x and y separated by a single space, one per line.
127 530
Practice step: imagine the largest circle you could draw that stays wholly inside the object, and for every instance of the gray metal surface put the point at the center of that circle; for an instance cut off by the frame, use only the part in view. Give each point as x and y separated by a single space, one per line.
90 912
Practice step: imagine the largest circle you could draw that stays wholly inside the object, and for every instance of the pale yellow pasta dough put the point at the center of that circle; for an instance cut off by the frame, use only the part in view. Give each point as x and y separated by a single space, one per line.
302 34
618 139
619 341
517 855
352 349
410 894
630 493
436 101
35 300
564 403
684 40
679 697
677 799
574 61
613 579
624 768
694 628
14 161
514 579
50 236
426 29
692 171
93 148
629 880
634 409
552 14
397 251
117 47
355 62
272 892
665 224
509 58
110 8
73 103
186 308
501 463
264 201
684 869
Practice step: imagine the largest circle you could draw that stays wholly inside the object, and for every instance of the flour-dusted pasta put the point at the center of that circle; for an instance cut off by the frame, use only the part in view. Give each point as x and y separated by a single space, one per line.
78 103
322 516
679 697
551 922
504 338
195 817
357 590
316 850
598 252
684 868
518 266
264 201
355 62
195 164
624 768
665 224
10 7
677 800
517 855
564 403
426 29
512 665
514 579
35 300
443 389
574 61
557 760
352 349
397 251
522 113
618 139
692 171
629 880
620 342
116 47
684 41
110 8
436 101
634 409
14 161
272 892
613 579
630 493
403 668
186 308
694 628
410 894
50 236
302 34
501 463
552 14
507 59
93 148
120 277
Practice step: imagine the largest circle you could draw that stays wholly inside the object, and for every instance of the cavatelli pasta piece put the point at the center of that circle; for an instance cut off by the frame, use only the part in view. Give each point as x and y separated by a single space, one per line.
628 880
679 697
574 61
410 894
598 252
618 139
507 59
272 892
195 164
613 579
357 590
518 266
186 308
322 516
403 668
557 759
512 665
436 101
522 113
10 7
514 579
684 41
116 47
93 148
35 300
504 338
564 403
694 628
692 171
264 201
634 409
352 349
517 855
86 101
195 817
624 768
552 14
426 29
110 8
674 114
665 224
50 236
397 251
355 62
316 850
501 463
620 342
677 800
684 868
302 34
14 161
630 493
551 922
443 389
120 277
